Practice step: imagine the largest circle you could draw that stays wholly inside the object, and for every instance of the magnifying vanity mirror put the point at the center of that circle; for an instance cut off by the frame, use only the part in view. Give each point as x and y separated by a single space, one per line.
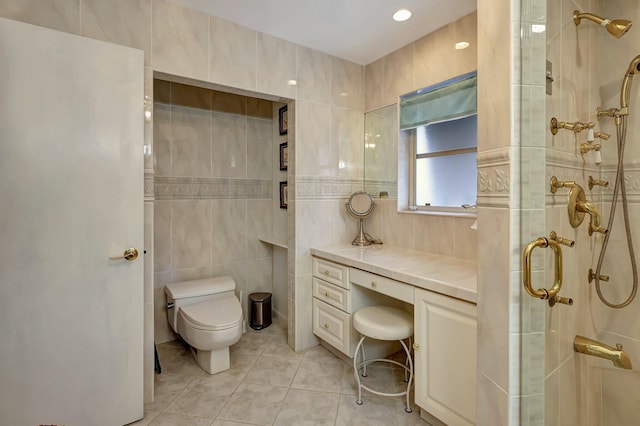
360 206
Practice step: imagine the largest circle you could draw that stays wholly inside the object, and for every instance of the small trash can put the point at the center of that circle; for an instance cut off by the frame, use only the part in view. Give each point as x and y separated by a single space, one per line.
260 308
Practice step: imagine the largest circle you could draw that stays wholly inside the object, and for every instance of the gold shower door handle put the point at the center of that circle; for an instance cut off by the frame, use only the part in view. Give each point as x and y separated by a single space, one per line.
542 293
129 254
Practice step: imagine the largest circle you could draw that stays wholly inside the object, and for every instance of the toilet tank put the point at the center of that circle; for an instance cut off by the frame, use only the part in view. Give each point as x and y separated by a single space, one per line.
187 292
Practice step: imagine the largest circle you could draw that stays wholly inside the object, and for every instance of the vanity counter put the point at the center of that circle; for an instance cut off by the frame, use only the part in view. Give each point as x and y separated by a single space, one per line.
442 274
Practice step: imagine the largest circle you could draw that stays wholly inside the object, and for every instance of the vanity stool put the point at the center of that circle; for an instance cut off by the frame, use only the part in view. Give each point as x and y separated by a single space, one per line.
382 323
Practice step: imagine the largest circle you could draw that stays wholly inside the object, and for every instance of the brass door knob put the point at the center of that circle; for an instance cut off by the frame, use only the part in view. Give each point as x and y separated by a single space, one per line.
416 346
129 254
374 284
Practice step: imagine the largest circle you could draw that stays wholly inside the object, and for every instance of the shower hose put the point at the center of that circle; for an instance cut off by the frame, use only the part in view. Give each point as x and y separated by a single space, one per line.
619 186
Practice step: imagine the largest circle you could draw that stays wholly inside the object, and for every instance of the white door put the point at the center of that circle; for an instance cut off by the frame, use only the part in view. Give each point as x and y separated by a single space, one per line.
71 196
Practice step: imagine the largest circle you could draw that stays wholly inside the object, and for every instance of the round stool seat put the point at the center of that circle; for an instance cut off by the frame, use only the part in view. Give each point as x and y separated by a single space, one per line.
383 323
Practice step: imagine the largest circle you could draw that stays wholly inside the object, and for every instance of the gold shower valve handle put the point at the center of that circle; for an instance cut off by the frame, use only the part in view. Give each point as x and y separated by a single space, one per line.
602 135
557 299
555 184
593 182
592 276
564 241
576 127
611 112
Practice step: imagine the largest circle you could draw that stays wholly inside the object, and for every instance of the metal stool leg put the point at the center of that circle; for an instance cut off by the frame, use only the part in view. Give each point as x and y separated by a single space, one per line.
408 409
355 369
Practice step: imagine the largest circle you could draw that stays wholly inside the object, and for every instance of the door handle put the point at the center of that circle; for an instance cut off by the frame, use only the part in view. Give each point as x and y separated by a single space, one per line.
129 254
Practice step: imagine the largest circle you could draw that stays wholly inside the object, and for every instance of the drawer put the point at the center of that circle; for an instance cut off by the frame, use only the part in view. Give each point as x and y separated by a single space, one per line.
383 285
331 272
332 325
333 295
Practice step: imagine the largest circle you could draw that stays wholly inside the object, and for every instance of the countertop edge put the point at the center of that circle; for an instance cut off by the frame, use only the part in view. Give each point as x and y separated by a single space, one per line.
421 279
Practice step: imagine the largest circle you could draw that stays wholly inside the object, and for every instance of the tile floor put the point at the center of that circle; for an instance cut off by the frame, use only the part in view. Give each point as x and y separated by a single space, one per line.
269 384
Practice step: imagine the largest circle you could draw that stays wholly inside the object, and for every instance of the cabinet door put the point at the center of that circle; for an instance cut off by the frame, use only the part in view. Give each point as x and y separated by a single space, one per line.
445 357
332 325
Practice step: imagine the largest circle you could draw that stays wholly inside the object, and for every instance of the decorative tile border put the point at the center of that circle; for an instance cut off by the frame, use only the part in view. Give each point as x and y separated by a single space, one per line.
494 178
324 188
375 187
186 188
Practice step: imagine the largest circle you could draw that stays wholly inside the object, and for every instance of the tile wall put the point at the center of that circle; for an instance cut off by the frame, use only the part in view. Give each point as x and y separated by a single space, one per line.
589 66
213 190
326 119
410 68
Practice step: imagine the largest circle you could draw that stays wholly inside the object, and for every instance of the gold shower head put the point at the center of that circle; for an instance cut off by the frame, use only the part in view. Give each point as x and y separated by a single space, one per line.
617 27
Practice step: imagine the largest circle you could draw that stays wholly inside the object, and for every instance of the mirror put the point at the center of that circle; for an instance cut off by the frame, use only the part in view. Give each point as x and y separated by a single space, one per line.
360 206
381 151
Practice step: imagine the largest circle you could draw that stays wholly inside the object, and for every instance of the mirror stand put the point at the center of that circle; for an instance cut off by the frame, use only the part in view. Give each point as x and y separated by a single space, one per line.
361 239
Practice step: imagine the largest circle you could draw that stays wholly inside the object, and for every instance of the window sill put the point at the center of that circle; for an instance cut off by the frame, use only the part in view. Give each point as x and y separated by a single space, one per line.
470 213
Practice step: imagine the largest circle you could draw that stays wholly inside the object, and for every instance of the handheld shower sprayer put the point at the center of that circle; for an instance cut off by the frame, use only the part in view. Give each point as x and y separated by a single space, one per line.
625 92
617 27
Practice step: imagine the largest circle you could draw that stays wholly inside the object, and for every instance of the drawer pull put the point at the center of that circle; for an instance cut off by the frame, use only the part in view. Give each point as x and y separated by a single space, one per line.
416 346
374 284
326 272
326 325
326 293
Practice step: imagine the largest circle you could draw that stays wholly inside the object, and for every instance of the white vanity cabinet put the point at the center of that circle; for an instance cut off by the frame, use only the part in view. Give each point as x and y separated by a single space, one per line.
332 304
445 357
335 299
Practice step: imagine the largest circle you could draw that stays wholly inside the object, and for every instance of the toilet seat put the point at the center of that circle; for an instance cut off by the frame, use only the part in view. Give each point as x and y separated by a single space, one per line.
213 315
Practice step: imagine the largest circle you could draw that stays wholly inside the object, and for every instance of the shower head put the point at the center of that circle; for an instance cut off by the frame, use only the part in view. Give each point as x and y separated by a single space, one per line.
617 27
625 92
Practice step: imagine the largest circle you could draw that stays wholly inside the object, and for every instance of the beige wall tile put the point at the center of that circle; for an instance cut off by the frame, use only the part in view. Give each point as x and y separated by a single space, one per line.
190 142
259 223
233 54
373 87
190 233
431 52
228 231
61 15
314 75
276 66
162 235
434 234
259 108
347 143
229 103
162 139
493 299
180 40
190 96
229 146
398 74
126 22
313 152
259 160
466 29
347 84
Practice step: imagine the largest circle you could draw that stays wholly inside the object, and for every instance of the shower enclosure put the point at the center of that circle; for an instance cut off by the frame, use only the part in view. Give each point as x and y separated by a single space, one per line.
585 70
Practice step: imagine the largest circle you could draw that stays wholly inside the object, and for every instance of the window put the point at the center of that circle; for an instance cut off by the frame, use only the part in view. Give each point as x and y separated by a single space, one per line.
440 124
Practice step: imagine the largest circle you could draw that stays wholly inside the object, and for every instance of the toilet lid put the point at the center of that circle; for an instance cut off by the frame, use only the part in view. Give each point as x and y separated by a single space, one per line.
216 314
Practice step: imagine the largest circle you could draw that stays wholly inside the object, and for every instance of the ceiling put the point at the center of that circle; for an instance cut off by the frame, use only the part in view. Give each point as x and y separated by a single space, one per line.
360 31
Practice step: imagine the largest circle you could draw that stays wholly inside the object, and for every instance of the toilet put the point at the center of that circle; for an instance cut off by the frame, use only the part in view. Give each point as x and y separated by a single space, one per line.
207 315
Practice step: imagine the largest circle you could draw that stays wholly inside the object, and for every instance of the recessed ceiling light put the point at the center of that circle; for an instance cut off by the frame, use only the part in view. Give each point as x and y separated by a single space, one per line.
292 82
462 45
402 15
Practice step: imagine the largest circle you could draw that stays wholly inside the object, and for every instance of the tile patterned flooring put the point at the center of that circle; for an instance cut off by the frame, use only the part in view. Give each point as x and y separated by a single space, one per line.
269 384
